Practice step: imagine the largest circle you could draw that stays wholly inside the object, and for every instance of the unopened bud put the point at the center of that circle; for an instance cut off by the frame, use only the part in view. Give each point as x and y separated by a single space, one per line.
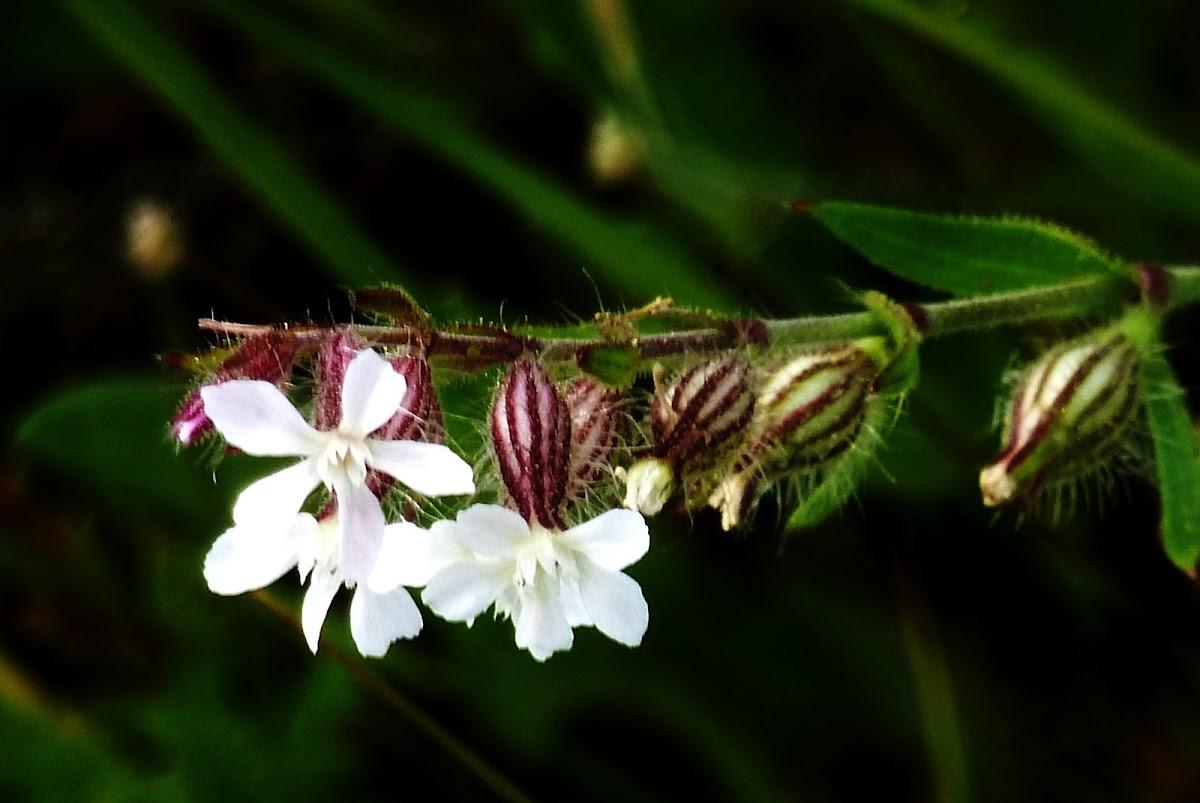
1070 409
531 436
419 417
809 411
594 421
340 349
266 357
704 408
648 485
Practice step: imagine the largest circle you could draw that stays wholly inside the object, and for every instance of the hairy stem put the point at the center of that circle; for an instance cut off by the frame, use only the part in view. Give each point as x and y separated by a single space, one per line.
481 346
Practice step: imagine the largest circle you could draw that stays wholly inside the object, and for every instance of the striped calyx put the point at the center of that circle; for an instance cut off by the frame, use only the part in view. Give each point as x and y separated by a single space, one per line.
694 420
1070 409
340 348
531 437
703 409
809 410
594 420
266 357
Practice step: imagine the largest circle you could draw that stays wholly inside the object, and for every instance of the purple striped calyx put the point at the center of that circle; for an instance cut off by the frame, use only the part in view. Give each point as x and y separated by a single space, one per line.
809 410
531 438
595 422
694 421
266 357
1069 411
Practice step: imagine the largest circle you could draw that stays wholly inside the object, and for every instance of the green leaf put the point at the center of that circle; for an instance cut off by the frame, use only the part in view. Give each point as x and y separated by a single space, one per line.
1177 461
636 256
965 255
1116 145
134 39
112 437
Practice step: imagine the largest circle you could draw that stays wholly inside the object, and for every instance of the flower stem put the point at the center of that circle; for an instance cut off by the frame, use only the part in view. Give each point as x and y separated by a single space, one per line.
479 347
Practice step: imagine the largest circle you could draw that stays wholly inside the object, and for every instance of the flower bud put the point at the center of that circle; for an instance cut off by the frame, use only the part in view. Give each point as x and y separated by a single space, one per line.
809 411
693 420
1069 410
700 411
267 357
648 485
341 347
419 417
531 437
593 432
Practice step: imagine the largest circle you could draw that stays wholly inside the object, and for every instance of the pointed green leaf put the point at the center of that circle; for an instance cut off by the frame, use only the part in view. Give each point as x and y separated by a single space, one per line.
964 255
1177 461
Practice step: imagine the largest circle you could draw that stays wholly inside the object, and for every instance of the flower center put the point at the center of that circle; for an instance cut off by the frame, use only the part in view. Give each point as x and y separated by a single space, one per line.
541 553
344 458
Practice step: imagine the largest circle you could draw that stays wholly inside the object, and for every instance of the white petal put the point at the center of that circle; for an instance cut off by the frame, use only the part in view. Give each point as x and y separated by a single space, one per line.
541 625
612 540
492 530
428 468
463 590
250 557
371 394
360 524
276 496
410 555
376 620
322 586
257 418
614 602
572 602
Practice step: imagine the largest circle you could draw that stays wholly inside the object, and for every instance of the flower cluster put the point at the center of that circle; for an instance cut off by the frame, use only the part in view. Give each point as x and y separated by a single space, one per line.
549 551
376 428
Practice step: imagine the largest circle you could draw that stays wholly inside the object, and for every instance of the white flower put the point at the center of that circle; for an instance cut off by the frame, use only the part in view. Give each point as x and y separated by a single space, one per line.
248 557
547 582
257 418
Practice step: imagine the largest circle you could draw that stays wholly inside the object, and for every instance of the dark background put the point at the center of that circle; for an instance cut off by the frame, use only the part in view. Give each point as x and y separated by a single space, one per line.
914 648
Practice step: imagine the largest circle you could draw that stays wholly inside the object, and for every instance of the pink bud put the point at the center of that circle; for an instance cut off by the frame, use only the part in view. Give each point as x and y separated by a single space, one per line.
593 432
191 423
418 419
341 347
267 357
531 436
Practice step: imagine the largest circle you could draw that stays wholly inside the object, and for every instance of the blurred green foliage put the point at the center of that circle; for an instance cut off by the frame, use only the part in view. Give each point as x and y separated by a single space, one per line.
911 647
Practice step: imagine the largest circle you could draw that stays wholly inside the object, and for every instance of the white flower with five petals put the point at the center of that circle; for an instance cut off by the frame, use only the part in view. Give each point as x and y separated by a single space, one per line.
257 418
248 557
546 581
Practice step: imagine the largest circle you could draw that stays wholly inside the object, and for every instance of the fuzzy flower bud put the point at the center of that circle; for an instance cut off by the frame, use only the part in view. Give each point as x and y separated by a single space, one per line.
1070 409
648 485
531 437
809 411
340 349
702 409
692 420
267 357
593 432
